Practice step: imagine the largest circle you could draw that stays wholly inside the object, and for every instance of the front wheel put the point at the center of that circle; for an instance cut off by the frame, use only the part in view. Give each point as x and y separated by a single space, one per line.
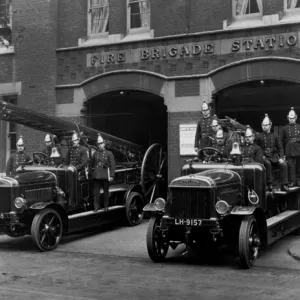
157 242
46 229
249 242
134 209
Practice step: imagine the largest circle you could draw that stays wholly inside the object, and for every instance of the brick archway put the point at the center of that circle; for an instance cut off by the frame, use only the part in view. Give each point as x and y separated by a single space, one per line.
275 68
124 80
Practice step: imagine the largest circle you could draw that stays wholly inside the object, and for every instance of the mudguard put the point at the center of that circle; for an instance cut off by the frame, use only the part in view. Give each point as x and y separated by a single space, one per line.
150 208
243 210
40 205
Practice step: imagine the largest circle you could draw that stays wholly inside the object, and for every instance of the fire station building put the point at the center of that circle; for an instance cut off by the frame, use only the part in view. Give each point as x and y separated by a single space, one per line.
141 69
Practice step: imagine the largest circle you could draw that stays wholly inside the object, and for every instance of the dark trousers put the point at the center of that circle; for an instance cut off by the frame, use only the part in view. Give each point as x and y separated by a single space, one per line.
292 168
283 171
98 184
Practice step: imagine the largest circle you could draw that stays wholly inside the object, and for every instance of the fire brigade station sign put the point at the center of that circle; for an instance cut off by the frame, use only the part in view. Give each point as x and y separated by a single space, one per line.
190 50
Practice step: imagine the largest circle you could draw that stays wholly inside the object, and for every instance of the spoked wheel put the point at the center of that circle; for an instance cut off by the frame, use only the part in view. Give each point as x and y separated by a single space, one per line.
153 172
157 241
134 209
46 229
249 242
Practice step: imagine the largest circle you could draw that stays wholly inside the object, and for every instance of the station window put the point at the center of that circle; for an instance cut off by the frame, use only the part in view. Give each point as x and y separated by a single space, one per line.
247 8
5 13
98 17
138 15
292 5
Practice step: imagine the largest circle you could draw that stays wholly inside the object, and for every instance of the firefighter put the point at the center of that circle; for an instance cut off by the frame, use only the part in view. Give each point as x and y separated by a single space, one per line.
52 150
77 154
203 130
290 139
250 151
215 126
221 145
103 164
272 154
17 159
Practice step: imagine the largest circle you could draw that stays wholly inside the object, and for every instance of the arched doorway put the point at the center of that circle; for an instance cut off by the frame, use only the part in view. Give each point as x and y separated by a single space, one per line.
248 102
137 116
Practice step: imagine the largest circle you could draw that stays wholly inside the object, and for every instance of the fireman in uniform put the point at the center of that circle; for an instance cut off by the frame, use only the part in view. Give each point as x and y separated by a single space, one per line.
203 130
273 154
221 145
77 154
250 151
215 126
103 164
17 159
76 157
290 139
52 150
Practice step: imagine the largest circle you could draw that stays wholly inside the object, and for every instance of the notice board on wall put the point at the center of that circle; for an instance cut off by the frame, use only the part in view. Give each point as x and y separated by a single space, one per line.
187 138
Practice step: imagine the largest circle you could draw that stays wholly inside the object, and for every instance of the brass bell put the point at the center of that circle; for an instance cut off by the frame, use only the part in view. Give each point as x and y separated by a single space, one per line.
235 149
55 153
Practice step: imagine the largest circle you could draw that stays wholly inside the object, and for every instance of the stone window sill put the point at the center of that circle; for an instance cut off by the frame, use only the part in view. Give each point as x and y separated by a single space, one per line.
7 50
244 23
135 35
100 39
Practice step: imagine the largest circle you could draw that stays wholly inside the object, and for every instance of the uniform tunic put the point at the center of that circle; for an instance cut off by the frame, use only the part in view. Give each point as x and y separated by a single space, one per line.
203 132
48 152
101 161
15 160
252 153
223 149
271 146
290 139
77 157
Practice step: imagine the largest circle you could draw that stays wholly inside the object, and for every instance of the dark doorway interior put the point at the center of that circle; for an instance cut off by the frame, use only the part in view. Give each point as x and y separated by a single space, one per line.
249 102
136 116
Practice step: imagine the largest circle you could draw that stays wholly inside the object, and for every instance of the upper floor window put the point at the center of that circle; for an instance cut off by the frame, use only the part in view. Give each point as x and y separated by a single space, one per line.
292 4
98 16
5 13
138 15
247 8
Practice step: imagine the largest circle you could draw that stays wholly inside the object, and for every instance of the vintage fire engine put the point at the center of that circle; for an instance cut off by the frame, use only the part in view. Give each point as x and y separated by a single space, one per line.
221 204
36 200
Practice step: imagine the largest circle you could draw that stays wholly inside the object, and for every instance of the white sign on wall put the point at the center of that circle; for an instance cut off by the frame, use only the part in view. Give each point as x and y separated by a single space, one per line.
187 138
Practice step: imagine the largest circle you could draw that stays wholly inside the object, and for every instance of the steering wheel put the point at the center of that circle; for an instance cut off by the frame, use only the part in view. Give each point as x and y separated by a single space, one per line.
209 154
39 158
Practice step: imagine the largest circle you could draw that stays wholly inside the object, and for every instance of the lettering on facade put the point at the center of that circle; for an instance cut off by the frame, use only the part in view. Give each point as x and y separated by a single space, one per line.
190 50
269 42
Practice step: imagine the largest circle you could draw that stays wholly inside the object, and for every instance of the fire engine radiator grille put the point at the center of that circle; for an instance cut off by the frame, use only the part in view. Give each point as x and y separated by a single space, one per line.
189 203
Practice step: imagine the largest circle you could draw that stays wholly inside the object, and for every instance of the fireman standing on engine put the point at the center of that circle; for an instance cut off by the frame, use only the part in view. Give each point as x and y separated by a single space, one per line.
17 159
250 151
203 130
77 154
273 154
52 150
103 164
290 139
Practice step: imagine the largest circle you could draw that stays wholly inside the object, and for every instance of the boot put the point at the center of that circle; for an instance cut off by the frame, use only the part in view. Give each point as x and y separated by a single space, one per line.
96 204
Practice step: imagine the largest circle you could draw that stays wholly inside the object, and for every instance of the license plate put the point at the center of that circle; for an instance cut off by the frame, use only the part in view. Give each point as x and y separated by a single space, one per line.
188 222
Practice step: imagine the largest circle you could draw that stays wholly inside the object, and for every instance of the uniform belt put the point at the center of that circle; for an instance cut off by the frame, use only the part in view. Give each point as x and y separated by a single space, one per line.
102 165
204 135
268 150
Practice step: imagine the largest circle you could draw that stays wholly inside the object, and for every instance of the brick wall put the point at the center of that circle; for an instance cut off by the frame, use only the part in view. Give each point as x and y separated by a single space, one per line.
34 37
175 161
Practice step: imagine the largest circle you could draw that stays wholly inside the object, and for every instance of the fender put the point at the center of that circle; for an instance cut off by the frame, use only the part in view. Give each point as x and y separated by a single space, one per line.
151 208
62 212
133 188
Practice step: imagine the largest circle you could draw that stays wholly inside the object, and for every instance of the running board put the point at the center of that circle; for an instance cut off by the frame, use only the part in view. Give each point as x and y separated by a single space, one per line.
91 212
282 224
291 190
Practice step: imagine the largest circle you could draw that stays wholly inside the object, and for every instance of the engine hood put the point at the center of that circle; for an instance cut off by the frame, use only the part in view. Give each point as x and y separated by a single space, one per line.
35 177
207 179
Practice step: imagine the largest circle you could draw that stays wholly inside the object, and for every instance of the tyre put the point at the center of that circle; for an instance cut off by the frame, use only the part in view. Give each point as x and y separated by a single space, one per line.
134 209
157 242
46 229
249 242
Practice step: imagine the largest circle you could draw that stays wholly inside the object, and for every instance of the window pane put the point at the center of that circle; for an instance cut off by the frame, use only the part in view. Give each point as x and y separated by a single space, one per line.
99 16
253 7
293 4
13 142
139 13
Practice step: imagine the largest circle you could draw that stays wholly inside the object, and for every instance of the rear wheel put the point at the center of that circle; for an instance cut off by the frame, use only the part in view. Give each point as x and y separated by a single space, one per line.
157 242
46 229
134 209
249 242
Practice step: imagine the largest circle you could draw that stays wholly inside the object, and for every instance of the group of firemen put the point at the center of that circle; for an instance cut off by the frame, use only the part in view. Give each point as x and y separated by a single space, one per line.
265 147
97 161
